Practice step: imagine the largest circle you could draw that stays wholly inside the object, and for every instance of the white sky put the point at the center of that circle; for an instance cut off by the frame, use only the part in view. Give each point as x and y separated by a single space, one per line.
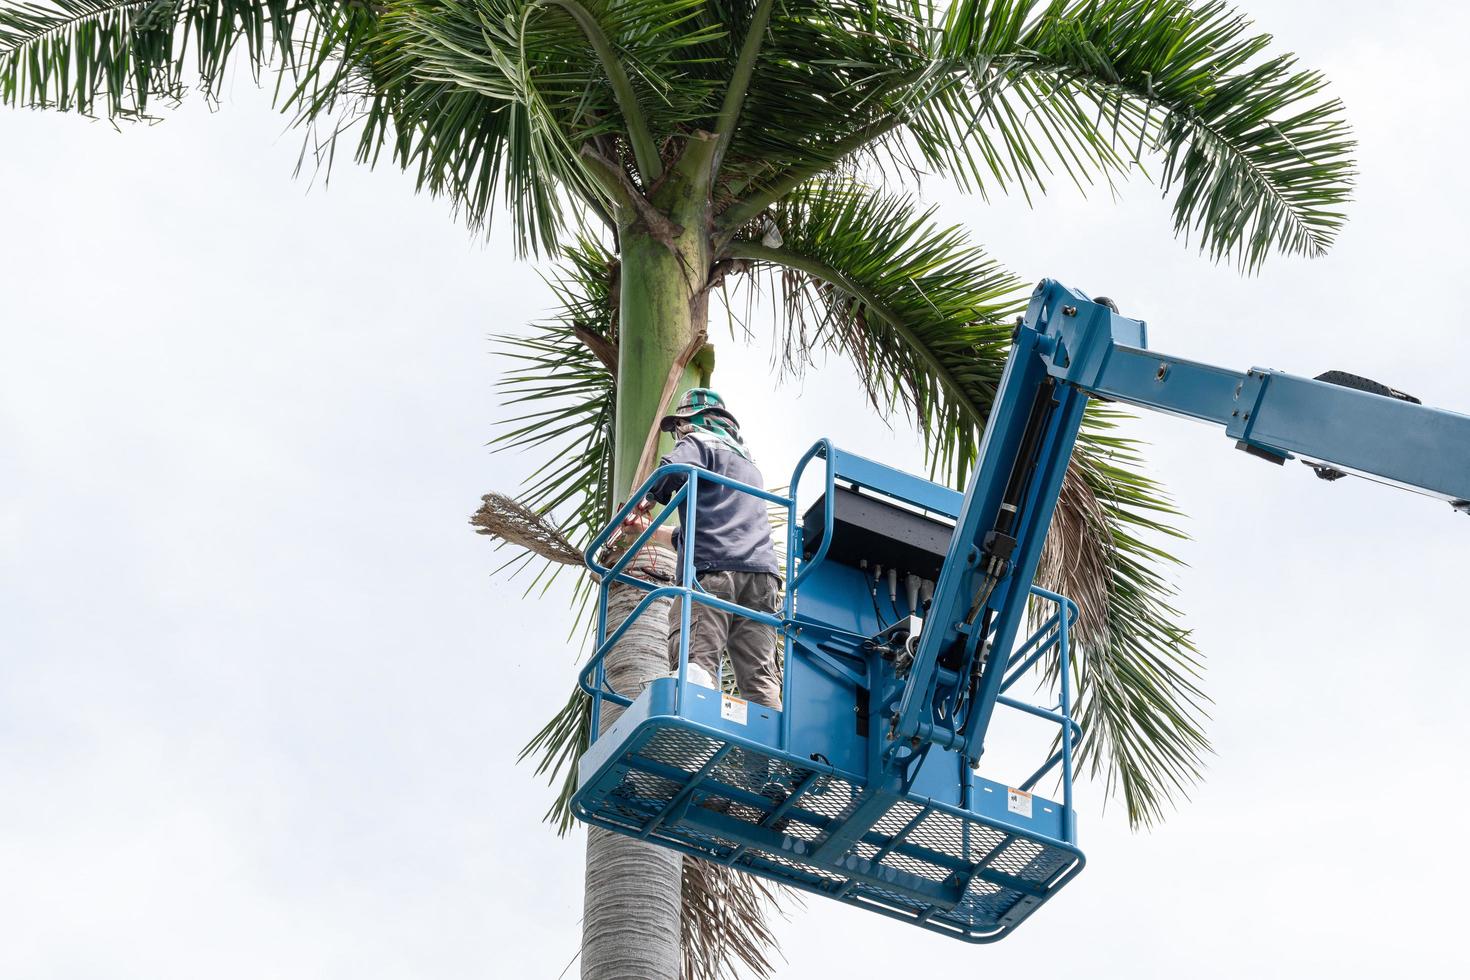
260 697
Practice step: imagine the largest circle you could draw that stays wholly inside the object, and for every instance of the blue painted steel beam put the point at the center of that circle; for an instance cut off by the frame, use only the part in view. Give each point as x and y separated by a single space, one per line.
830 666
1087 350
894 483
964 575
851 825
1023 458
893 842
1037 507
679 799
781 810
945 894
1416 446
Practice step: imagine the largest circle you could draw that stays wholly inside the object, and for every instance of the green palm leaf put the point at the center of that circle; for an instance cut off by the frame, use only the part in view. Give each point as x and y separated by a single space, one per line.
1258 159
561 397
503 95
563 392
1007 93
116 55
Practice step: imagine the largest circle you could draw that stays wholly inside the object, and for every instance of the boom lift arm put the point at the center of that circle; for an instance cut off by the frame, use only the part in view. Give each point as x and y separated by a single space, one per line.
1069 348
862 785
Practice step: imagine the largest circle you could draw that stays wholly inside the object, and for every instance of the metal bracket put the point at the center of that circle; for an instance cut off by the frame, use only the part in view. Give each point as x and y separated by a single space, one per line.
1248 394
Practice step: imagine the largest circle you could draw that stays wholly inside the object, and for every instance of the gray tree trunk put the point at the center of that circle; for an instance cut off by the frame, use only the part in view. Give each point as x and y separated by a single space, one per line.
631 904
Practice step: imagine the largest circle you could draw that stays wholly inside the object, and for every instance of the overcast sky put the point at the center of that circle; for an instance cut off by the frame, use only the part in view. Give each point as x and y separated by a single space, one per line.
260 696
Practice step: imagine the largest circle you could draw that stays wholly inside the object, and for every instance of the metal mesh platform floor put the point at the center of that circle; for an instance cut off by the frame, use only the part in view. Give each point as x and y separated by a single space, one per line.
950 871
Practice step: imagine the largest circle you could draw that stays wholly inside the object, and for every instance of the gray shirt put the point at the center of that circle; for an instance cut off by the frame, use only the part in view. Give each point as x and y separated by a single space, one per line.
731 532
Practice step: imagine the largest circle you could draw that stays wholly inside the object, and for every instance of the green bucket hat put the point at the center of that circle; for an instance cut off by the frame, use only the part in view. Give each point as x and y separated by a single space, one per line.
697 402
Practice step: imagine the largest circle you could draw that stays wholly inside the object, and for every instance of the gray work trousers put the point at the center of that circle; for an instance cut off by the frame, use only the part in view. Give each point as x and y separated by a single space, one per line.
751 645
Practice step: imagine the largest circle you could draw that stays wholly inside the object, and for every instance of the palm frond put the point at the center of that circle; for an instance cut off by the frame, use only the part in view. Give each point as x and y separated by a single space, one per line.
561 394
514 523
500 96
1011 93
561 382
1140 698
485 101
556 749
924 315
726 922
114 56
822 74
830 86
1257 157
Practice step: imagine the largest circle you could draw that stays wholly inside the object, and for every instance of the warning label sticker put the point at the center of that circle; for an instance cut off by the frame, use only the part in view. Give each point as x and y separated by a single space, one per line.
1018 801
734 709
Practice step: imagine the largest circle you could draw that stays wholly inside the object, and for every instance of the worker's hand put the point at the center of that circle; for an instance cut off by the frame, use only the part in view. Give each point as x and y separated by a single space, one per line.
633 525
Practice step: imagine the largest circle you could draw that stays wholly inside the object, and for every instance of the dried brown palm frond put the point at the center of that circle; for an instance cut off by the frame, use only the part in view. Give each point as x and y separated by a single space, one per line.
514 523
1077 559
726 925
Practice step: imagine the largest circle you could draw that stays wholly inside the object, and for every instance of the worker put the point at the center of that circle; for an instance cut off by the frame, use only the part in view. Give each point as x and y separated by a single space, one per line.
733 556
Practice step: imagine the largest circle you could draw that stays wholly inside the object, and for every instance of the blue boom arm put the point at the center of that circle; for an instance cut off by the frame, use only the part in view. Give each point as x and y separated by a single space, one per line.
1069 348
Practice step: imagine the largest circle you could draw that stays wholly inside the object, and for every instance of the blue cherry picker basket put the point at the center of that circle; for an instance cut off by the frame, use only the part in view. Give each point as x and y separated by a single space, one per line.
819 797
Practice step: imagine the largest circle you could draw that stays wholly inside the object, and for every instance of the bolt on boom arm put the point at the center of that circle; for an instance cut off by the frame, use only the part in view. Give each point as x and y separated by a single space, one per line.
1069 348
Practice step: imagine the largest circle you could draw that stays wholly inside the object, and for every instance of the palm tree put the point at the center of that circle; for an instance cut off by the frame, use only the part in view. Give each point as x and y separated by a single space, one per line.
667 150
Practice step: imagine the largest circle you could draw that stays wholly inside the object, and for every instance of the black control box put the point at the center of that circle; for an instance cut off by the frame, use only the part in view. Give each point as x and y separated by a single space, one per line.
878 530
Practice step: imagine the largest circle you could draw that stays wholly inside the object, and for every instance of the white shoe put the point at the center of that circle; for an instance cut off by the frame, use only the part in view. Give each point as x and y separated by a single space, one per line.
698 675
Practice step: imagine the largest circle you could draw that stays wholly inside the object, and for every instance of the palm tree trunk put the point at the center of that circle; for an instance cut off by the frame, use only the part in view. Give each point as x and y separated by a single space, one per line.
630 923
631 912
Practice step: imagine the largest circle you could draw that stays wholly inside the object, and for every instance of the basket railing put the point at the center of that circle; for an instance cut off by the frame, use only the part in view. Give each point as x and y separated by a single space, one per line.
686 591
1054 633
